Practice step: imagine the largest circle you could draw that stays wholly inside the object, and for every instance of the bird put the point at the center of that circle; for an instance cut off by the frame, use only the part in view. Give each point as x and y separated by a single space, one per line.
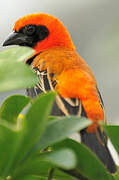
60 68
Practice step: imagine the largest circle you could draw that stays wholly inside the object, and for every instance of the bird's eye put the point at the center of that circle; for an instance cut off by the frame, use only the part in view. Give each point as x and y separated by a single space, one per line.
33 34
29 30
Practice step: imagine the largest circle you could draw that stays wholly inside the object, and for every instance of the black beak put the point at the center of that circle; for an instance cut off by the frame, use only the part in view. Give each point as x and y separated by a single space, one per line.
18 39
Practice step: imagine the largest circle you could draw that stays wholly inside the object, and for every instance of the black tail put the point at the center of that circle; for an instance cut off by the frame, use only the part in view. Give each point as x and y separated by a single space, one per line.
97 142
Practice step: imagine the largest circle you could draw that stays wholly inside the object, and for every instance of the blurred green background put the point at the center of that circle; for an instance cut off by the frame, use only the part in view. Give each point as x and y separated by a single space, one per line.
94 28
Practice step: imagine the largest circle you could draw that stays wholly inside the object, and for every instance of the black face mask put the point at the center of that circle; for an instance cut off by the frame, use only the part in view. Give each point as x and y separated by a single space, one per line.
29 36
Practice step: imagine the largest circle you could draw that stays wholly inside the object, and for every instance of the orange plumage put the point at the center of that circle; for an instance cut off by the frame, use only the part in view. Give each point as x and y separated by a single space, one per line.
59 55
60 68
72 71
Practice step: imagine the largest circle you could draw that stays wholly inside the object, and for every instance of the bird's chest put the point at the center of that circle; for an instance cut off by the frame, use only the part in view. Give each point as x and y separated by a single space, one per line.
61 106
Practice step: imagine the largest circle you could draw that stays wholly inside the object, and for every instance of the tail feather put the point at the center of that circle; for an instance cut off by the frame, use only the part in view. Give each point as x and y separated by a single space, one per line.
97 142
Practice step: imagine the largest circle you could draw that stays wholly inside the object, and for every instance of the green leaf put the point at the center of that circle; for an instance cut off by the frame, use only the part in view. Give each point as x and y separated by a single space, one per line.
63 158
61 128
51 118
113 133
12 106
16 53
88 164
9 141
35 122
40 165
116 176
58 175
15 75
32 178
34 166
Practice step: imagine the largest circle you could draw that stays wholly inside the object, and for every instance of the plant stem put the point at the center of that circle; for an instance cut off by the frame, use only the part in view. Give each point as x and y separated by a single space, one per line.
50 175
